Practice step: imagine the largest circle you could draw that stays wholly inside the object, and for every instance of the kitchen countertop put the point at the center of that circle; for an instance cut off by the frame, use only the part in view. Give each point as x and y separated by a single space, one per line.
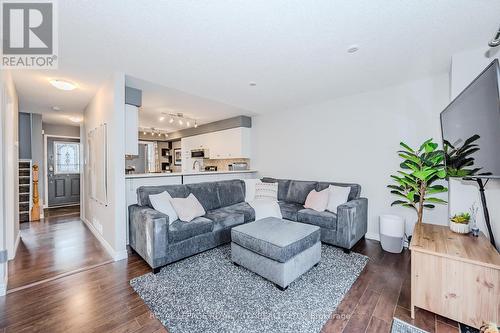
192 173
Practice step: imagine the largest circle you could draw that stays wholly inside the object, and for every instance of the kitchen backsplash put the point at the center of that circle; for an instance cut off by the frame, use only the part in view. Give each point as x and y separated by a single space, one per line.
223 165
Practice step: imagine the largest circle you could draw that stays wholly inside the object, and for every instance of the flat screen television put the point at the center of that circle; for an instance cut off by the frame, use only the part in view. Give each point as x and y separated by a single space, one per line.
471 128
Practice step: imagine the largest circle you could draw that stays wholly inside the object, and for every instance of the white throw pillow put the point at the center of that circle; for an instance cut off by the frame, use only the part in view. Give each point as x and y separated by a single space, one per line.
338 196
266 208
266 191
161 202
250 189
317 200
188 208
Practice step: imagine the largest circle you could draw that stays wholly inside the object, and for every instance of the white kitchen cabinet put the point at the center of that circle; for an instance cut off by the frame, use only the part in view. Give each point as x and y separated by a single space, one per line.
226 144
231 143
131 130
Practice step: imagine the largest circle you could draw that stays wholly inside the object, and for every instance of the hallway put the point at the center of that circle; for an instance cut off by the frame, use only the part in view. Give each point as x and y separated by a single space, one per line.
58 245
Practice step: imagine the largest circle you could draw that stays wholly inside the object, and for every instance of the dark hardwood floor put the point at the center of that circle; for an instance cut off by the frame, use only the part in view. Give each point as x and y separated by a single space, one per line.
54 246
101 300
61 211
380 293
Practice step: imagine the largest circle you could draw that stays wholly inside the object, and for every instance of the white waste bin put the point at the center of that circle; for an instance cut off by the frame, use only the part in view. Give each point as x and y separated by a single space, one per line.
392 232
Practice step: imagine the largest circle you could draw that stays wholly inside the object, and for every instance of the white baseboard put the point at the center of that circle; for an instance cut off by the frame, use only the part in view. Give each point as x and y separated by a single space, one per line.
3 283
120 255
116 255
16 245
373 236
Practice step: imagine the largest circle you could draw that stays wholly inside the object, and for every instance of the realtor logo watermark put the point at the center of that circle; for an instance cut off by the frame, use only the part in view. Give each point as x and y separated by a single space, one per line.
29 34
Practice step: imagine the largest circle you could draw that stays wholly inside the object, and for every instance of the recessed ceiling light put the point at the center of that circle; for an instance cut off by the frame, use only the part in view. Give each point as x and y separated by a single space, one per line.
63 85
56 108
252 84
171 120
161 118
188 124
180 122
353 48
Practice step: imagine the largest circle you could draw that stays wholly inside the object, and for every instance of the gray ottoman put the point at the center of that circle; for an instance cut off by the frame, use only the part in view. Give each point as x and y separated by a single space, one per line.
277 250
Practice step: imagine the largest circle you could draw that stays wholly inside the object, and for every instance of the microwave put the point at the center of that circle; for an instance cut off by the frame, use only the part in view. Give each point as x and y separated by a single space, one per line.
199 153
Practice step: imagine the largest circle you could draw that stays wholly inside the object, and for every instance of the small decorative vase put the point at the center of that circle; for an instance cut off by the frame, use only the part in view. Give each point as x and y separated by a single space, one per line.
459 228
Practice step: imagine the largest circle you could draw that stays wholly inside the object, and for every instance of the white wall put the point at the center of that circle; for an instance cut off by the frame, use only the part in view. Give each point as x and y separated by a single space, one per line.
108 106
354 139
9 209
62 130
10 156
465 67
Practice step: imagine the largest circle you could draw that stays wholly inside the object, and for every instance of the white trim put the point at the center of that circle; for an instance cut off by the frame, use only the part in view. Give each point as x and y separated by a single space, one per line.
46 175
11 256
116 255
373 236
120 255
3 284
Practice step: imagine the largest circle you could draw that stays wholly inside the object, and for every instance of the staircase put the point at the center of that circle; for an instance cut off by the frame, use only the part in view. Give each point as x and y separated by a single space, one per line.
24 190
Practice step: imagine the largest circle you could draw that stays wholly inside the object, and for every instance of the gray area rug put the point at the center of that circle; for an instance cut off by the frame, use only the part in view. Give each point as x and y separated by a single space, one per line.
207 293
399 326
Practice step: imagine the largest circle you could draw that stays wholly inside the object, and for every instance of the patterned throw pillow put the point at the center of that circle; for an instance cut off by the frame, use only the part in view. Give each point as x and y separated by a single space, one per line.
266 191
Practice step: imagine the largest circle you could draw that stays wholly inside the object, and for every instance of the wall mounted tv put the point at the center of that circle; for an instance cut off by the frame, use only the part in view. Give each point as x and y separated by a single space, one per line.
471 128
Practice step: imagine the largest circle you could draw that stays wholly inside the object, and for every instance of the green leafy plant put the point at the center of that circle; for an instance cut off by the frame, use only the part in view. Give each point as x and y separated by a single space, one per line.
462 218
421 168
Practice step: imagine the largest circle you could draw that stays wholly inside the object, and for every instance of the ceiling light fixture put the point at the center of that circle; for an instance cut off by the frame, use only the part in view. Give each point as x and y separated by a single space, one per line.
63 85
180 119
56 108
161 118
353 48
153 132
75 119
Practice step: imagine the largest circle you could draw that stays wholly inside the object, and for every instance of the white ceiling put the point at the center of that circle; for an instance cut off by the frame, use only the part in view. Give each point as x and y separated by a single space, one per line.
294 50
158 100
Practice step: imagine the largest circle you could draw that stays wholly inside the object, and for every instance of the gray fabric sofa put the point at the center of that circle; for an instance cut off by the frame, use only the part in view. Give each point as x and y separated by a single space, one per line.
159 243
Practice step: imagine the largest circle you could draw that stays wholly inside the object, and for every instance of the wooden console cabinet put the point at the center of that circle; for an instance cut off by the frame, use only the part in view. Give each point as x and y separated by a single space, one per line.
456 276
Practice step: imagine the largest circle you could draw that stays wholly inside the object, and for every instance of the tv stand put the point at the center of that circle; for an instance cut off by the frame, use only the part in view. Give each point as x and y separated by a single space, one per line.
454 275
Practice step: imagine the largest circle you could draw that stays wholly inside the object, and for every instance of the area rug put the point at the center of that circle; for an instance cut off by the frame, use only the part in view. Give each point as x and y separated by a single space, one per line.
207 293
399 326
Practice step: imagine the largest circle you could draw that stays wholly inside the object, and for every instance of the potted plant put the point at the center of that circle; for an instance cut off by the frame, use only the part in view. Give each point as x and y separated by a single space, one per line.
459 223
415 183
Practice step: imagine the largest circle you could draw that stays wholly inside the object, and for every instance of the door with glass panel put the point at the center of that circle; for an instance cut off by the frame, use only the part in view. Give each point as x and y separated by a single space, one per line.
63 170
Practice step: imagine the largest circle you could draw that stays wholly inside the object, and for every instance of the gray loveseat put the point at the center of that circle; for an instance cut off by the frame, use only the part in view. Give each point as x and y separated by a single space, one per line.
161 243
